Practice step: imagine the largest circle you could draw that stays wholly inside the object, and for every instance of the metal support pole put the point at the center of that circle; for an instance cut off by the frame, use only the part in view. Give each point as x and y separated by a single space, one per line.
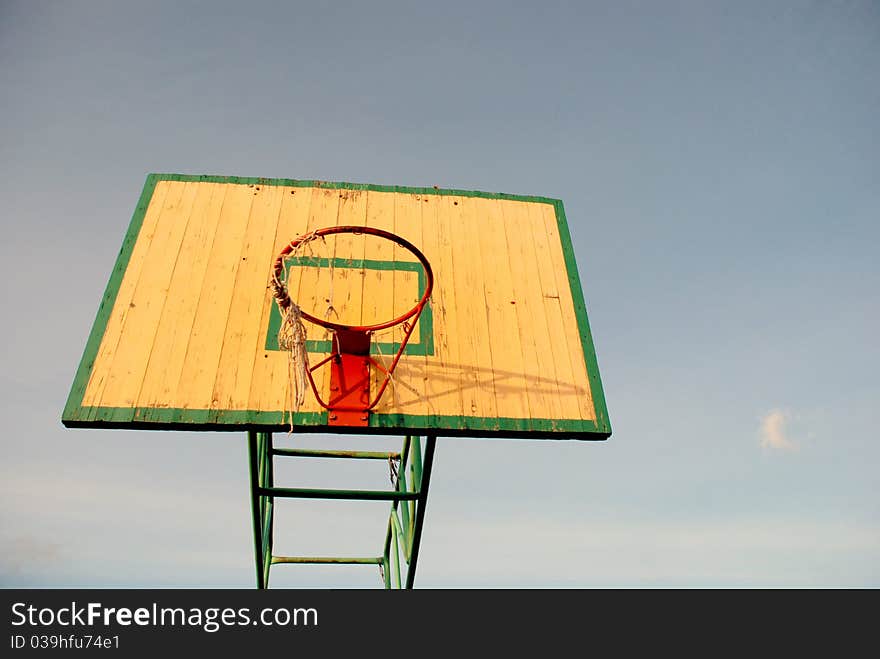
268 507
424 483
395 554
254 461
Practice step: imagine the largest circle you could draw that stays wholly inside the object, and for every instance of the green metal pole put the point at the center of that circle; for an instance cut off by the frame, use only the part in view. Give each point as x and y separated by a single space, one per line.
386 557
400 534
425 482
417 460
266 552
404 509
404 454
269 507
395 552
253 455
271 484
416 477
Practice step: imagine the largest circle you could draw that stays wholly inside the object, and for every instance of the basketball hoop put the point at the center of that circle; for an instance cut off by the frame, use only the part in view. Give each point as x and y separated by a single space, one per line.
350 399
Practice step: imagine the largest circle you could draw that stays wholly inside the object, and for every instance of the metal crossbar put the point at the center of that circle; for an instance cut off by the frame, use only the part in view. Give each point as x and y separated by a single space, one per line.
405 521
312 453
356 495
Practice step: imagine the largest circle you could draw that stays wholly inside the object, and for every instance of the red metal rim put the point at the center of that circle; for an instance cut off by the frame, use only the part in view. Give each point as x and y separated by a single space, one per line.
278 269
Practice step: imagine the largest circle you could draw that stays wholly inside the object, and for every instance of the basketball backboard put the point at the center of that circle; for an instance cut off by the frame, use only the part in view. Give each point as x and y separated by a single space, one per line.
186 336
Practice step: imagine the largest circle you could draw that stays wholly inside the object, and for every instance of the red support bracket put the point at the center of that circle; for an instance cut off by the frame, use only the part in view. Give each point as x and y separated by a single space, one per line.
349 400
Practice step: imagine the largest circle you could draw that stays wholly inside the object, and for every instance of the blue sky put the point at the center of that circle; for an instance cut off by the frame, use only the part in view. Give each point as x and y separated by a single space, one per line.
719 167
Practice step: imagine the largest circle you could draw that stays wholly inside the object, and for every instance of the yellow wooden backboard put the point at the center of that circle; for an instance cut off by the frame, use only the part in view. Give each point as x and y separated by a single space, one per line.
186 334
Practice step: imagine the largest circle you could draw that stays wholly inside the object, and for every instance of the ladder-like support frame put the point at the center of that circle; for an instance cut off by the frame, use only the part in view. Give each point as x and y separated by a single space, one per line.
405 522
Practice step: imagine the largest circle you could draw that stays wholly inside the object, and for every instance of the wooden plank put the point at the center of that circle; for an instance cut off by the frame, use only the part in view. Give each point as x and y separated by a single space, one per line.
447 380
270 382
324 213
195 386
542 370
569 393
122 307
146 305
505 333
347 283
308 286
378 298
549 240
242 334
473 237
426 376
175 323
365 289
439 390
406 389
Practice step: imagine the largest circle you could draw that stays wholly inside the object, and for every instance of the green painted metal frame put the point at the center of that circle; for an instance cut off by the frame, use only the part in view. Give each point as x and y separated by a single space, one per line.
77 415
405 521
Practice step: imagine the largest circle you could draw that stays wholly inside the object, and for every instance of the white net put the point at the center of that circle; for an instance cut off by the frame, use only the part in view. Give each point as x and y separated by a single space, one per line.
292 332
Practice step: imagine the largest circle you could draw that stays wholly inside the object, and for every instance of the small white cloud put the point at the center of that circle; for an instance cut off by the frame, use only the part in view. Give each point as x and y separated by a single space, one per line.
773 434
